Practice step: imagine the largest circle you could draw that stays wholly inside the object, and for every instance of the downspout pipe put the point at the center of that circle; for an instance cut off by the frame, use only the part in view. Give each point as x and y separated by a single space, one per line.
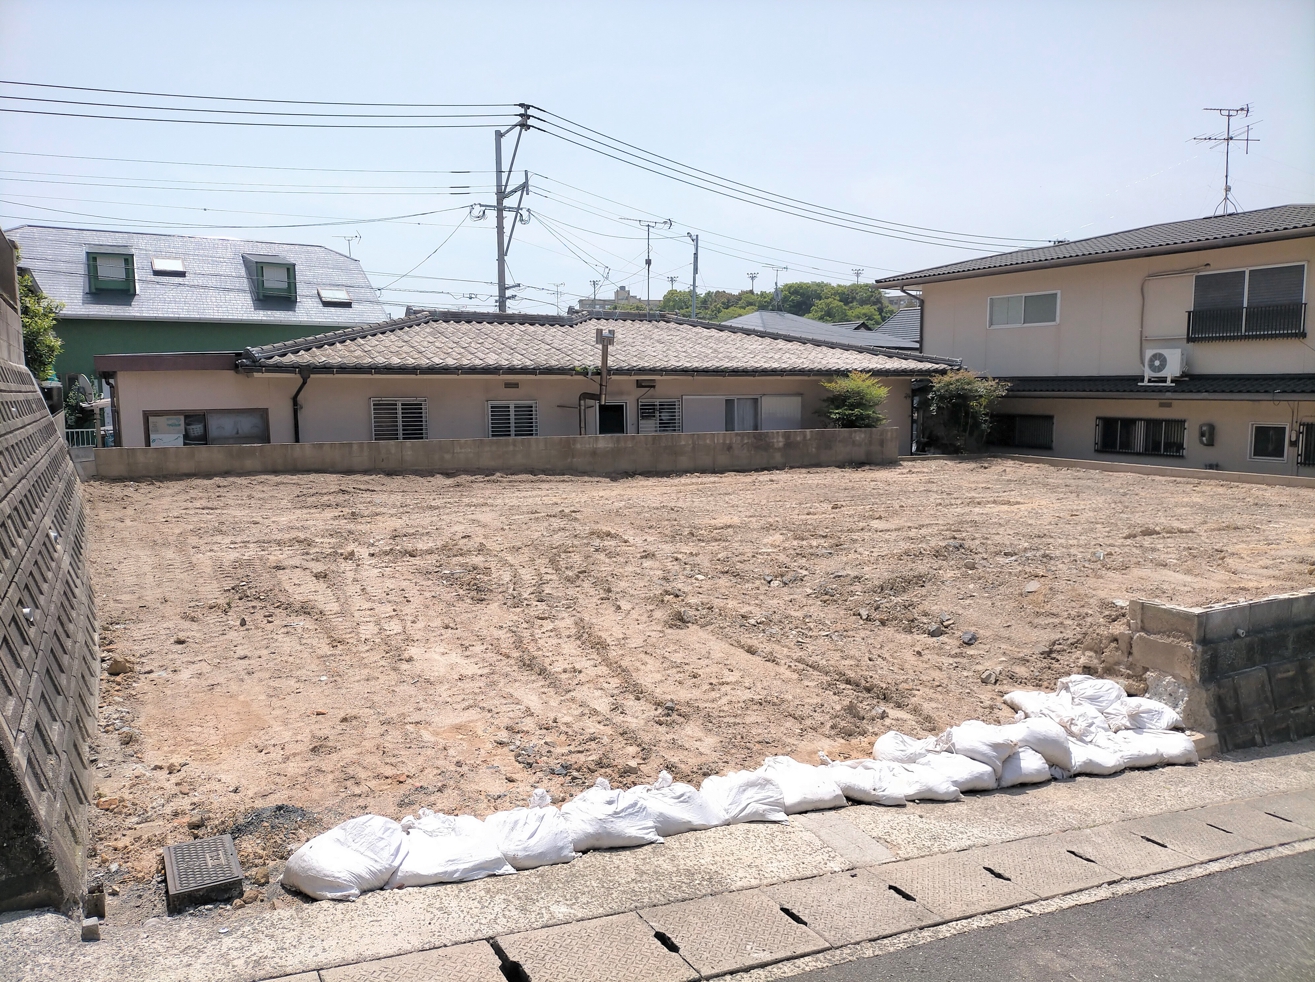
296 406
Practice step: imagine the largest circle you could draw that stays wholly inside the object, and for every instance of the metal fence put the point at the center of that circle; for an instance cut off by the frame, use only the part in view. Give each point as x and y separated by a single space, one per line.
81 437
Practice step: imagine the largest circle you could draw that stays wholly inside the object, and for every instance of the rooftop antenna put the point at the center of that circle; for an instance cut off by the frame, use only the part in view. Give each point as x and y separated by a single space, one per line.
776 291
752 277
1229 204
558 287
648 260
858 273
349 239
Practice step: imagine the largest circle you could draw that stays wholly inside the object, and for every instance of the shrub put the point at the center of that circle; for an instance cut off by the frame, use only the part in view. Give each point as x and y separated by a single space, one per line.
960 403
854 401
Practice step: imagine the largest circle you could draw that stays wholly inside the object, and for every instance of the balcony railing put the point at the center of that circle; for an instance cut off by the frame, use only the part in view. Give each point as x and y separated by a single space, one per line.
1283 320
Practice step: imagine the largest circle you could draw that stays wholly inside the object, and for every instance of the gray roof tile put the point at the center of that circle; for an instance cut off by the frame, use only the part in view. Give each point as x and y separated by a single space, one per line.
454 341
850 332
1284 221
216 287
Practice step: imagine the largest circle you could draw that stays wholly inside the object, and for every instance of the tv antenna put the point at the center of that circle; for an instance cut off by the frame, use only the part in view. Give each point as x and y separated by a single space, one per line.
776 291
648 261
1229 204
349 239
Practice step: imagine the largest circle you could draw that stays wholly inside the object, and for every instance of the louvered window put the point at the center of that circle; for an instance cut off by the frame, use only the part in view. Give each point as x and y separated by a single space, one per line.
400 419
659 416
513 419
1151 437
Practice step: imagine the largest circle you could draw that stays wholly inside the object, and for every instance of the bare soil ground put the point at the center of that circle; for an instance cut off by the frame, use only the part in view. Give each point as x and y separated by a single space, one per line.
311 648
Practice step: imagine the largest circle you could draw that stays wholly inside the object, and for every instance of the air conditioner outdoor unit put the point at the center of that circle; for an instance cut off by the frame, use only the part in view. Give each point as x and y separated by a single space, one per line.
1160 366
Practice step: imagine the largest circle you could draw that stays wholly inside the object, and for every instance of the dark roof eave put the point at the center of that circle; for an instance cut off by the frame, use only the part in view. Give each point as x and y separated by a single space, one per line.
263 368
914 279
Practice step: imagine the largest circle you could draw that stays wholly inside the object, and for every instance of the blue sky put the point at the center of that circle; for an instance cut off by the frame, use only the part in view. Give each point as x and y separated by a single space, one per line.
1027 120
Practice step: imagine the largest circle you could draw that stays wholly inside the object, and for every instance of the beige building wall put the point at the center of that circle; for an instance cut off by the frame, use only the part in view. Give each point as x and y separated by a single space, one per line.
1103 327
1075 429
336 408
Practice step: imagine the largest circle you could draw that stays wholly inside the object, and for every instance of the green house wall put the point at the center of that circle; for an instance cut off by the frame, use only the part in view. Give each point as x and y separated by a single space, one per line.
84 339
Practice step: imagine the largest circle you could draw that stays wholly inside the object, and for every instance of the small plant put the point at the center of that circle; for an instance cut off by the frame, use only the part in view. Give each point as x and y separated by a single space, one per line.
960 404
854 402
41 345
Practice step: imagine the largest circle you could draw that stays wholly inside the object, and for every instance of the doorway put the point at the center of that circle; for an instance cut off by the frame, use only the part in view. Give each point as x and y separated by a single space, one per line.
612 418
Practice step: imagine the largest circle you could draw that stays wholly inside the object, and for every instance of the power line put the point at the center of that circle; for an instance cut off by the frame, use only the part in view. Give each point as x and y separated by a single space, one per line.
286 102
345 221
199 163
246 112
249 122
432 254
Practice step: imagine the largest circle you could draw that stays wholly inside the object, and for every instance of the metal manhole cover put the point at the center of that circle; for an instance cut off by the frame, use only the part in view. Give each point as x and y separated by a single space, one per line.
201 871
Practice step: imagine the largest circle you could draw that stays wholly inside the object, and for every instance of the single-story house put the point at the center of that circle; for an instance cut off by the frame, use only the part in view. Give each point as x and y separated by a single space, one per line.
457 374
845 332
140 292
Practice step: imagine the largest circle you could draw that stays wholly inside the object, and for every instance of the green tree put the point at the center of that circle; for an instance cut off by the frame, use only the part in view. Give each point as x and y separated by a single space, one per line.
41 345
854 402
830 309
960 405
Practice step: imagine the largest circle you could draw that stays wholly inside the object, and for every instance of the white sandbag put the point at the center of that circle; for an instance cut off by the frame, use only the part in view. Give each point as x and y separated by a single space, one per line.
963 772
447 849
1176 747
901 749
918 782
1091 759
676 808
601 818
804 787
1103 695
1045 736
1079 720
982 742
1133 749
1147 714
533 836
868 781
341 864
1032 703
745 796
1024 766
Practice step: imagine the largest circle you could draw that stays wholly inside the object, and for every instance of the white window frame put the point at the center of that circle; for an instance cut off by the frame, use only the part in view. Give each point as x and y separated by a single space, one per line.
657 422
397 402
1035 293
512 403
1251 433
625 416
1246 285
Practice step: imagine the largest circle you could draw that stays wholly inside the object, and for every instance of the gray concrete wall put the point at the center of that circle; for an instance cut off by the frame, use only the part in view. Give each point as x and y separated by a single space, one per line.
618 454
1249 667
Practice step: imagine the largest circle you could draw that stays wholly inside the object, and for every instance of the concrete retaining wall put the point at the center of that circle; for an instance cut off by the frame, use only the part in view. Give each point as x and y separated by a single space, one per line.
597 455
1249 667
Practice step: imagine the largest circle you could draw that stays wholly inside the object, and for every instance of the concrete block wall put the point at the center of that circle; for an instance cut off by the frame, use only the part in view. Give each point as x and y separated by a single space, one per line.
657 453
1249 667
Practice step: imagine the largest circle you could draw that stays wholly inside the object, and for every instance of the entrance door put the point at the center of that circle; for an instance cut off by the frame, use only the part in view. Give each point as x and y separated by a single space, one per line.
612 418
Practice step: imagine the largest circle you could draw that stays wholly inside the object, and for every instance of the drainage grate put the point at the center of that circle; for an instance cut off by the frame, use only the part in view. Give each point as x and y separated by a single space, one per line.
201 871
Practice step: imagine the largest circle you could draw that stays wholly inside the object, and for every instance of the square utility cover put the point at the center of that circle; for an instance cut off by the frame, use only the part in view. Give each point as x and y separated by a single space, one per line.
201 871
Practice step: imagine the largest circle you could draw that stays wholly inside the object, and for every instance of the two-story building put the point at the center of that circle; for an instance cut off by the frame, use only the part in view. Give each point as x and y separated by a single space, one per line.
1183 343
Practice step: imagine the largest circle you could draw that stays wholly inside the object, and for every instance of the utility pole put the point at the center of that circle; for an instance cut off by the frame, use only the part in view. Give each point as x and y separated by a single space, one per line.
595 286
694 280
672 280
502 192
559 295
648 261
858 273
752 278
776 293
1227 140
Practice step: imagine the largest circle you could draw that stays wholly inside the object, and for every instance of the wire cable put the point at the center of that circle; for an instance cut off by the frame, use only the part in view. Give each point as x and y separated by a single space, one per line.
292 102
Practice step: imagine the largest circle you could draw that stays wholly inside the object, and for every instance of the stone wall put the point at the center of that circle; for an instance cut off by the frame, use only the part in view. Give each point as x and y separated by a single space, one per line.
49 664
1249 667
655 453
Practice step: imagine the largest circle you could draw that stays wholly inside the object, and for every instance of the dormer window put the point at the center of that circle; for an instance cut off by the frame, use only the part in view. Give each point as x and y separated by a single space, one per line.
111 272
166 266
272 277
335 296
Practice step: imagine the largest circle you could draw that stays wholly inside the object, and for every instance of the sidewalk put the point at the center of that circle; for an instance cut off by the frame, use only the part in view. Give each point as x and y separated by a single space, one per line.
730 898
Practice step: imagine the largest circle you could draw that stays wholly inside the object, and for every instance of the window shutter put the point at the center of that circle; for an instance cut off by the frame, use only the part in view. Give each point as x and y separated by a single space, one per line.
499 419
387 424
1213 291
659 416
412 419
526 418
1275 285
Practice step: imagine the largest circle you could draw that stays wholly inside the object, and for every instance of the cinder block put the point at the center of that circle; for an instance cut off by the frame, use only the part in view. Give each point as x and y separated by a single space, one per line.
1220 659
1175 658
1167 619
1253 694
1240 736
1307 668
1224 621
1277 728
1287 685
1223 698
1303 722
1134 614
1271 614
1303 608
1271 647
1303 641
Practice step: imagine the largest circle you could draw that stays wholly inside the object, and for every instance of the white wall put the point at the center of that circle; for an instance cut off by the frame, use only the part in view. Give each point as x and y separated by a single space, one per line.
336 408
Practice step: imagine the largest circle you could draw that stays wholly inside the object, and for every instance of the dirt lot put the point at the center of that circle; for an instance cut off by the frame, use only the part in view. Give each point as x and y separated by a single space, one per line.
310 648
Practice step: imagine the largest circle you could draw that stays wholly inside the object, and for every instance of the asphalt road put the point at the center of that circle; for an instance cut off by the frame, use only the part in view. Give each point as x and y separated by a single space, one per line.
1255 923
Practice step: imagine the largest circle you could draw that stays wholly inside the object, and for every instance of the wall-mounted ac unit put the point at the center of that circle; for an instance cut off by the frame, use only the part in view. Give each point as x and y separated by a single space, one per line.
1160 366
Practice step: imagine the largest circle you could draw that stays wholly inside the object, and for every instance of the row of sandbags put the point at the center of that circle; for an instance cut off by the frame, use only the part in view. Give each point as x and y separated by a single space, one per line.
1088 726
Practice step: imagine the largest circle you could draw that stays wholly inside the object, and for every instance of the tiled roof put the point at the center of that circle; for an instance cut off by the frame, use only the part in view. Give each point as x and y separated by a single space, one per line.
445 342
792 325
216 287
1282 222
1260 385
905 324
